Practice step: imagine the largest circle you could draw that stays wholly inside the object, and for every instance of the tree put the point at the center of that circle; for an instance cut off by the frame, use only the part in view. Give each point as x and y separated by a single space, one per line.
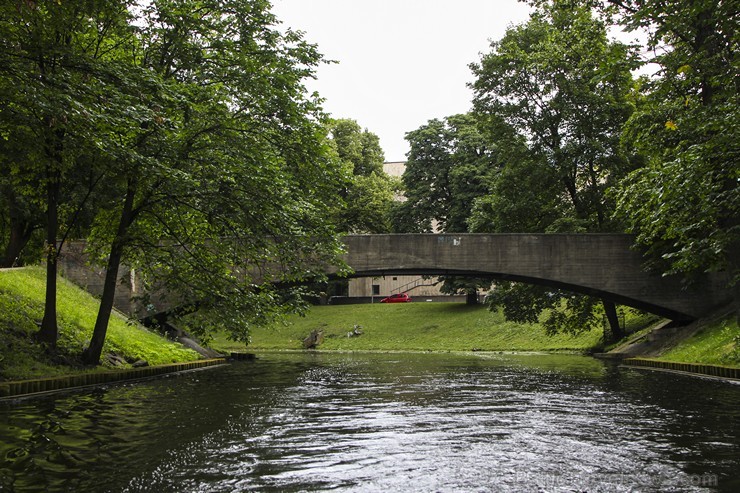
359 149
684 205
562 85
190 130
564 91
369 193
524 194
225 189
448 165
368 204
21 217
54 81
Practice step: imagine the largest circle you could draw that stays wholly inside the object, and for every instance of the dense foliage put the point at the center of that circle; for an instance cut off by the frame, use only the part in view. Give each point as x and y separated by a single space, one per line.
564 89
657 158
187 125
447 168
369 193
557 91
684 205
574 144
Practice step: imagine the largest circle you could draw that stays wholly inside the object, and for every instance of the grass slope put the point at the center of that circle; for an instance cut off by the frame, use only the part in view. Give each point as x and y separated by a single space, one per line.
716 344
21 308
412 327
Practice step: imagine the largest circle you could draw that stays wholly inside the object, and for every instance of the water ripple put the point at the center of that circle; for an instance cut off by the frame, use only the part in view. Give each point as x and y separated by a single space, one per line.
383 423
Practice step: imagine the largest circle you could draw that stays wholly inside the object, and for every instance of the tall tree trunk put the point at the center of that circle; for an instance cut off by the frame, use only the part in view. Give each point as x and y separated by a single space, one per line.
571 188
611 315
598 203
48 333
91 355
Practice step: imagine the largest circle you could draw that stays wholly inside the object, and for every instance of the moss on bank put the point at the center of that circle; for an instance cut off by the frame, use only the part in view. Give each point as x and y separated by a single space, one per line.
21 309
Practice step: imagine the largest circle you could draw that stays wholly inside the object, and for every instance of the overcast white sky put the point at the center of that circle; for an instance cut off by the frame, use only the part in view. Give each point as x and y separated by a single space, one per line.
401 62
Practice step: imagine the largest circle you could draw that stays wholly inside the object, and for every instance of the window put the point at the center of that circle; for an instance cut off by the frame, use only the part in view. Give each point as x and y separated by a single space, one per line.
376 289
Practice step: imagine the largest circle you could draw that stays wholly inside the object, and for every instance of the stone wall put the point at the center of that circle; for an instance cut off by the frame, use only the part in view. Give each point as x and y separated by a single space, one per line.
74 265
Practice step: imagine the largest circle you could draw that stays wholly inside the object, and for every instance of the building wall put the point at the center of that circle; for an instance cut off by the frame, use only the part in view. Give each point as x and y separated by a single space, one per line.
415 286
395 168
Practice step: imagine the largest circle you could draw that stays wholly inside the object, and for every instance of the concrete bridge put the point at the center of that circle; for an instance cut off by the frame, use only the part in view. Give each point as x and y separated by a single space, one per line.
601 265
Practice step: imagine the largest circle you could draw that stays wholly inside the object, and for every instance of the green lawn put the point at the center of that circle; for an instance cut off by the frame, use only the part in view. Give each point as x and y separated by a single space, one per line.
412 327
715 344
21 308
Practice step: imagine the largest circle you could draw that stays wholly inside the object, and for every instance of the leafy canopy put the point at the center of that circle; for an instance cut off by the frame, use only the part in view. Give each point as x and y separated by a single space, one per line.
553 93
187 125
368 193
684 205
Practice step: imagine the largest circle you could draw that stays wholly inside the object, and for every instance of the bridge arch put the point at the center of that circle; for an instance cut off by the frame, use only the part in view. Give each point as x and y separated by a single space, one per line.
601 265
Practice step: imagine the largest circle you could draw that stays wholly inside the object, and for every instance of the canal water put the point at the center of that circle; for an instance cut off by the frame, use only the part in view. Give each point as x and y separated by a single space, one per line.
382 422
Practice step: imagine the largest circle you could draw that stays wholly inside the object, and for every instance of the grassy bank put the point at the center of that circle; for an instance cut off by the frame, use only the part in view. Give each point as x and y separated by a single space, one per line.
21 308
717 343
402 327
412 327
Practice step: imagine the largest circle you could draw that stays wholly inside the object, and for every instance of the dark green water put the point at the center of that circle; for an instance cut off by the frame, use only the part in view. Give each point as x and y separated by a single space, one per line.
385 422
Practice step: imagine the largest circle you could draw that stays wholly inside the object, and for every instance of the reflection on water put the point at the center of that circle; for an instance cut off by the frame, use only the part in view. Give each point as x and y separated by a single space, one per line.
368 422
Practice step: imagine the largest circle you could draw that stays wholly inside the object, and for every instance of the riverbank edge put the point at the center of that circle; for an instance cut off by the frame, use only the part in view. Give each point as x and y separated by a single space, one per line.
39 386
254 352
42 386
730 373
717 372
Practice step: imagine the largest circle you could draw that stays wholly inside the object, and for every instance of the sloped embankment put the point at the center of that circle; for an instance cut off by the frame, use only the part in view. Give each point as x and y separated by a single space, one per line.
21 309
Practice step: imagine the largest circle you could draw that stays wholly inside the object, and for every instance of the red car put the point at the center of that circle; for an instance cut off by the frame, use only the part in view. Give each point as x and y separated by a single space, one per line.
397 298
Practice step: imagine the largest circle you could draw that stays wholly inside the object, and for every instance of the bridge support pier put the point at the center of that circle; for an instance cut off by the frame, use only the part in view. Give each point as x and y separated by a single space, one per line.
611 315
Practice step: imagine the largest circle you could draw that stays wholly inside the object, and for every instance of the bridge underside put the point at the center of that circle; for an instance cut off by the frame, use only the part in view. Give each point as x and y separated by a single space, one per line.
494 276
600 265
